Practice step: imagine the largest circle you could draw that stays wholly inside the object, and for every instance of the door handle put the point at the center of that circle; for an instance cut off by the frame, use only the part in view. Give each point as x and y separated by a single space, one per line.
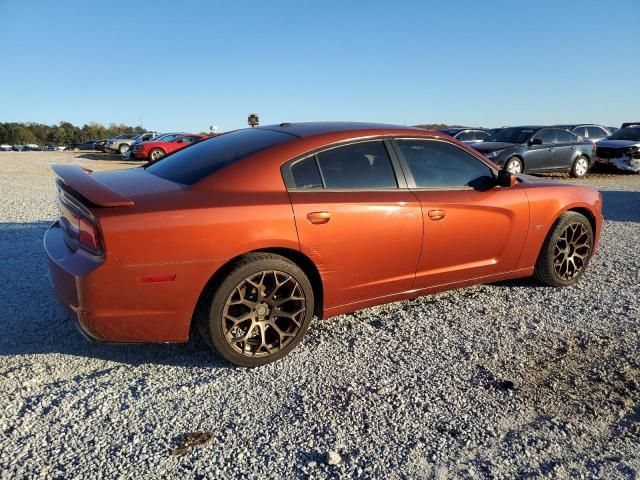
436 214
552 149
318 218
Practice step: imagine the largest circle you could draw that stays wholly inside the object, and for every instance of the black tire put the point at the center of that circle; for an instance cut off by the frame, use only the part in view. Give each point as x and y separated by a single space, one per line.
123 148
580 167
557 253
155 154
215 326
513 164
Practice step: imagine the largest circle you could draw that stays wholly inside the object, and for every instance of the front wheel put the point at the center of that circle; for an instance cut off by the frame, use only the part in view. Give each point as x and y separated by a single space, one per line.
123 148
260 311
566 252
580 167
514 166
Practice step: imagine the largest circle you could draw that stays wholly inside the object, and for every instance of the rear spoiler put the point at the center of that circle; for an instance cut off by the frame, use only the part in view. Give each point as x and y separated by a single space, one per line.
81 181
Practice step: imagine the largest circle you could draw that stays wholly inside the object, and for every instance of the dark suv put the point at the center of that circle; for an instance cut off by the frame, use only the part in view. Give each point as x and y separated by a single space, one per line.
539 149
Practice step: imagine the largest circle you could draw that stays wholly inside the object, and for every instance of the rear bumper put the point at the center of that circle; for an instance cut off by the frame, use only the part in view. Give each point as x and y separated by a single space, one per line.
67 270
109 302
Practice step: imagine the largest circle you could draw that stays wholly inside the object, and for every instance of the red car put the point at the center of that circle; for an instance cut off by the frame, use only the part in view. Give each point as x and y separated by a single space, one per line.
250 234
155 150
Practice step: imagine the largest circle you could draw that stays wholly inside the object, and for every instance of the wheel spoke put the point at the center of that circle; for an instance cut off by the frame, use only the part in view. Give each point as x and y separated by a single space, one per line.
263 313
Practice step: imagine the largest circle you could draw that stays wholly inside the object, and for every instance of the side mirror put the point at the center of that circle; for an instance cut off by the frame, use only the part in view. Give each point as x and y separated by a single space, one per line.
535 141
506 179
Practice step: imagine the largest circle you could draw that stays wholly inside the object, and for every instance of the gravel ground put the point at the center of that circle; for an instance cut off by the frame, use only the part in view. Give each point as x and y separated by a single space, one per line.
495 381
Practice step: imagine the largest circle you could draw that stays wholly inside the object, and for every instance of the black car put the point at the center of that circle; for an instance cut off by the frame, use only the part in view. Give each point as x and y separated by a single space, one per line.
621 149
539 149
101 145
466 135
88 145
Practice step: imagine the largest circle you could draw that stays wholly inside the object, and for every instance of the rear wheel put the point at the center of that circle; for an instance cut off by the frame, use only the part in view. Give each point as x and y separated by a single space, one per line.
123 148
155 154
514 166
580 167
260 311
566 251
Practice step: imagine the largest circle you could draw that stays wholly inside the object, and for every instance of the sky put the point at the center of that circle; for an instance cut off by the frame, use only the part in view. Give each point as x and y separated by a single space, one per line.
189 65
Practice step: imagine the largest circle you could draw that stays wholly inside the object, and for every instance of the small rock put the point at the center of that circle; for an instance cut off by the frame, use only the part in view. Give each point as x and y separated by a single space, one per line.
333 458
311 464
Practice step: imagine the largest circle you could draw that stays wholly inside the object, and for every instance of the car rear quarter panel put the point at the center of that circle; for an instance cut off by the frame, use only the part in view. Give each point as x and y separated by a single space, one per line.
547 203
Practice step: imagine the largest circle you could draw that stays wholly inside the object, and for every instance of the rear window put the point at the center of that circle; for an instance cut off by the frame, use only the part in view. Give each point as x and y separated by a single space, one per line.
200 160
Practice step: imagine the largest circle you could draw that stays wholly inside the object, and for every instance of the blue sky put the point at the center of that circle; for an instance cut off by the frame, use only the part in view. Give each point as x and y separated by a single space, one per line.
188 65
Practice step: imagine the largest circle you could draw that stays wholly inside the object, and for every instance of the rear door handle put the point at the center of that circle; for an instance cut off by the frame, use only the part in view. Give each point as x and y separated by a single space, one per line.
436 214
318 218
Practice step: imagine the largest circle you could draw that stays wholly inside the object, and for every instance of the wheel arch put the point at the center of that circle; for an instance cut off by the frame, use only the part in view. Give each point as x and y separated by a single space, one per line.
297 257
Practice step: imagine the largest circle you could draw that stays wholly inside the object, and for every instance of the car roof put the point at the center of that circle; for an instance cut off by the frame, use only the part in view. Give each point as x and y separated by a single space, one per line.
309 129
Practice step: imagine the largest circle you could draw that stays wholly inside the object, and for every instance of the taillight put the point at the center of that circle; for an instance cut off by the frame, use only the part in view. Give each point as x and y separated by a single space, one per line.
82 231
89 235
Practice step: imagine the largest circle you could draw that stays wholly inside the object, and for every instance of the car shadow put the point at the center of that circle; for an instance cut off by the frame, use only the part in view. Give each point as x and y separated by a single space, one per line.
106 157
621 206
32 322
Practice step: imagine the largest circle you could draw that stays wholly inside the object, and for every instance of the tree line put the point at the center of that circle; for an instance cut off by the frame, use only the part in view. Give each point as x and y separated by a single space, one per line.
64 133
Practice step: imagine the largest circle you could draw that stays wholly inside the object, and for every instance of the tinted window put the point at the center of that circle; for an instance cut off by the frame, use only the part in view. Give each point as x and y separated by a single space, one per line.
465 136
481 135
565 136
360 165
191 164
442 165
511 135
596 132
628 133
305 173
582 131
546 136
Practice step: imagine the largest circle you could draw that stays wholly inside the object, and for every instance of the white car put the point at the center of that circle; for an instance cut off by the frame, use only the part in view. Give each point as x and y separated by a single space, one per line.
5 148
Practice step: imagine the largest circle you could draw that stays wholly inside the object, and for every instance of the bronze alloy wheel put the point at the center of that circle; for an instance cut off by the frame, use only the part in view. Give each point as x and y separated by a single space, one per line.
566 251
263 313
572 251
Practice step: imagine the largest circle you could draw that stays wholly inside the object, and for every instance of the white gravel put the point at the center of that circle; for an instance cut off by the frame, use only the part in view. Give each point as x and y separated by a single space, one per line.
496 381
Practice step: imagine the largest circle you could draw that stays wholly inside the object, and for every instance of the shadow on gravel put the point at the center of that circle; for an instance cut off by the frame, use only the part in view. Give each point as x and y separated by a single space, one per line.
32 322
108 157
622 206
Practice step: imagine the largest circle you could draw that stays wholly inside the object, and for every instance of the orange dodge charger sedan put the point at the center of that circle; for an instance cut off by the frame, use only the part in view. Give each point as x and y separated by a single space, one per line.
248 235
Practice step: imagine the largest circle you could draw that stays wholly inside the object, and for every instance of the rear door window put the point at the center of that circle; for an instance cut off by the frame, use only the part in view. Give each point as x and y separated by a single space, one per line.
442 165
480 136
306 174
596 132
582 131
364 165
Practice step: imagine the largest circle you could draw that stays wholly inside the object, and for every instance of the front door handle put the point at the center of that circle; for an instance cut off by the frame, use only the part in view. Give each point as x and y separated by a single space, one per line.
318 218
436 214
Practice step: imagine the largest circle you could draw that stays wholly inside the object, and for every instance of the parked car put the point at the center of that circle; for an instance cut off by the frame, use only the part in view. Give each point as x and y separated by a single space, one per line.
155 150
128 155
629 124
5 148
467 135
589 131
17 148
31 147
88 145
250 234
539 149
621 149
101 145
122 142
